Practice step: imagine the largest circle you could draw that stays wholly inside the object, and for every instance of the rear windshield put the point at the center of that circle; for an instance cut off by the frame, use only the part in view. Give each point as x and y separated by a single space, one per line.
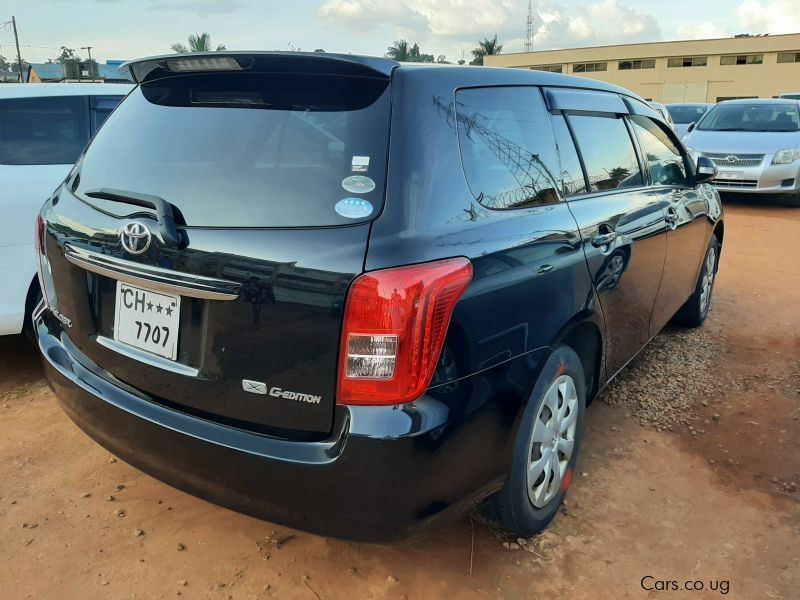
248 150
685 114
771 116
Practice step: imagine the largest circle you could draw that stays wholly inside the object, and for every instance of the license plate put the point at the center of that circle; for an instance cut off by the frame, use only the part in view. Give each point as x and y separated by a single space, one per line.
730 175
147 320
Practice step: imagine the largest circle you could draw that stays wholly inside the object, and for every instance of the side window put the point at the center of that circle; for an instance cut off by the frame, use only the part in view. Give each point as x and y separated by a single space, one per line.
42 131
507 147
662 155
607 150
571 176
101 108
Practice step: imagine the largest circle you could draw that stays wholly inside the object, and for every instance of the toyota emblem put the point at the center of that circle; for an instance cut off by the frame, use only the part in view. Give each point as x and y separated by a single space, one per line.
732 158
135 238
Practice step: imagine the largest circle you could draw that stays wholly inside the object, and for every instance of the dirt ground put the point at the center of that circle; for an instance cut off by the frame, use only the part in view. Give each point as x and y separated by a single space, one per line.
692 477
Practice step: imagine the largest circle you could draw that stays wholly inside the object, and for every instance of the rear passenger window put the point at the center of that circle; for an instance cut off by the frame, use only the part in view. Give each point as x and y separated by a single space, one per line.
572 181
607 150
42 131
662 155
507 147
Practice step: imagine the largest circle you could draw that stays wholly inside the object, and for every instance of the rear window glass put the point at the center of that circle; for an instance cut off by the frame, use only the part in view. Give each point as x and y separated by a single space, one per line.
683 115
248 150
507 147
43 131
607 151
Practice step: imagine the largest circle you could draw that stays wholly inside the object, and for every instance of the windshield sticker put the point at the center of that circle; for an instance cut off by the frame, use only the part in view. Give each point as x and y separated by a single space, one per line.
360 164
358 184
353 208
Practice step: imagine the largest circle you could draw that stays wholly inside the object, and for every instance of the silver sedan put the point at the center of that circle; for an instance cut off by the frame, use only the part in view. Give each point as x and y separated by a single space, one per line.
755 145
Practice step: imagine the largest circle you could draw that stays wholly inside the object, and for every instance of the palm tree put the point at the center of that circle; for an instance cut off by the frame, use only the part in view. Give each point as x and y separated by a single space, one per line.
486 47
400 51
198 42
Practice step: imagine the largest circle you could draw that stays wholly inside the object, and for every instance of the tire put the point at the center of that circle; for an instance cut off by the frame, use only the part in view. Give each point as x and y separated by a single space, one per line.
31 302
695 311
521 509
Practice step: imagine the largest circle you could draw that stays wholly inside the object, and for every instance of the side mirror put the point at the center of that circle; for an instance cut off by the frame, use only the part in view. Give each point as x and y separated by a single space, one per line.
706 170
690 127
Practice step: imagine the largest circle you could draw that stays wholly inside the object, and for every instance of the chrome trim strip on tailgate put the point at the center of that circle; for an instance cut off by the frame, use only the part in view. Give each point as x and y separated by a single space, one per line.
146 357
155 278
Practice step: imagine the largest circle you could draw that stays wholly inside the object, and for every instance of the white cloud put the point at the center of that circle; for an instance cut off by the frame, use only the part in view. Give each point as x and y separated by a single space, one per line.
773 16
445 18
702 31
606 22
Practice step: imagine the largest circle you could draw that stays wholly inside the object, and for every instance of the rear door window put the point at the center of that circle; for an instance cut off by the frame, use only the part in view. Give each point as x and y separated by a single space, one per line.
572 180
43 131
507 148
663 157
607 150
248 150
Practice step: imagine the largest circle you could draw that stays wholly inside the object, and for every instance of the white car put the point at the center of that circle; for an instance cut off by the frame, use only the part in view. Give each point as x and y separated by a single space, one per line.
661 109
43 130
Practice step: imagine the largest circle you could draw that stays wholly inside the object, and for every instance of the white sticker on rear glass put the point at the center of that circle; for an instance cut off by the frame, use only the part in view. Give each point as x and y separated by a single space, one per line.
360 164
358 184
353 208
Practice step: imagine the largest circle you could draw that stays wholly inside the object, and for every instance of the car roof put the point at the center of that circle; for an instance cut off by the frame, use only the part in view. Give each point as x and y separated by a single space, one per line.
759 101
689 104
38 90
150 67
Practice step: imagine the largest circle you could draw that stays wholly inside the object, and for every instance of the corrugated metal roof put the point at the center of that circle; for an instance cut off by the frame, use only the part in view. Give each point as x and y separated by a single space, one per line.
48 70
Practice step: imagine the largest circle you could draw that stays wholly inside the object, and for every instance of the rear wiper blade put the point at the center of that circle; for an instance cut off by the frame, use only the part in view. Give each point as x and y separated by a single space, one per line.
164 213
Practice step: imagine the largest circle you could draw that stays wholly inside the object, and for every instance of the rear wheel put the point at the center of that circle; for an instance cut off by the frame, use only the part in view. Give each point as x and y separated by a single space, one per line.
545 450
31 302
695 311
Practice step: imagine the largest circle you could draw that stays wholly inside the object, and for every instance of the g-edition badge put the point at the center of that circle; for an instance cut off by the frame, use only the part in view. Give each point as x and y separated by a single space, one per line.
358 184
259 387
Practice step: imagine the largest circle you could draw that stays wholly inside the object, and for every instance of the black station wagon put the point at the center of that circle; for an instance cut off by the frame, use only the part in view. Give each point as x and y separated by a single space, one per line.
357 297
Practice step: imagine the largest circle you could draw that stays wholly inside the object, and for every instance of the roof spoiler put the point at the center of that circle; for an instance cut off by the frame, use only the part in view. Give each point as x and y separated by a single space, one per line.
168 65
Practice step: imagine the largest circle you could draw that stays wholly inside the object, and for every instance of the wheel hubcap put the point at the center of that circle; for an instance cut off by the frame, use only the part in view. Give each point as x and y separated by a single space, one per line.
708 278
553 441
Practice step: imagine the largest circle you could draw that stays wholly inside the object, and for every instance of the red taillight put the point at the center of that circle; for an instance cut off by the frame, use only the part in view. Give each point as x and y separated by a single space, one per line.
394 326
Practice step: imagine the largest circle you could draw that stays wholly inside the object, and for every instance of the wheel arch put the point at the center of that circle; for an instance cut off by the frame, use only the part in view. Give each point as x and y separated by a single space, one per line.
586 339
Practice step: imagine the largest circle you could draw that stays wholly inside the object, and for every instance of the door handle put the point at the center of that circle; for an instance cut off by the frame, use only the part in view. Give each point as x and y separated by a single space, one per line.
605 236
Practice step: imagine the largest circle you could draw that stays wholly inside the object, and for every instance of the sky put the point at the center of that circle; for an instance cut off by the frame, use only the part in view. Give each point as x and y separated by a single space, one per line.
126 29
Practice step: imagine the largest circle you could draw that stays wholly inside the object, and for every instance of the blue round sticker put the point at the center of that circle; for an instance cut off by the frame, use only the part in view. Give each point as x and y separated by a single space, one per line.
353 208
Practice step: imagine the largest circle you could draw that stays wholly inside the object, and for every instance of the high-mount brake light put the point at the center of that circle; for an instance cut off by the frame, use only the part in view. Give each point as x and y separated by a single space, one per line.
395 324
203 63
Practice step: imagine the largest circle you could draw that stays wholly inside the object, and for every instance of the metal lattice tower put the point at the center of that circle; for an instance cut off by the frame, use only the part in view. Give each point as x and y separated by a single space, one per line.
529 28
528 170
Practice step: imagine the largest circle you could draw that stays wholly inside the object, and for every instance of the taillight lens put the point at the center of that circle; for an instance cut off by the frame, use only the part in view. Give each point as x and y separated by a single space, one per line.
395 323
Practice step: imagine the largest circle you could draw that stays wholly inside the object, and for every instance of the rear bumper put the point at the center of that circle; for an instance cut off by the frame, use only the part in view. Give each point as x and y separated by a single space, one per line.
385 473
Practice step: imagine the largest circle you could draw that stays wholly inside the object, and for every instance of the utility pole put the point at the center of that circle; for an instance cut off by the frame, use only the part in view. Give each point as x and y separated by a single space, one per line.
91 70
19 56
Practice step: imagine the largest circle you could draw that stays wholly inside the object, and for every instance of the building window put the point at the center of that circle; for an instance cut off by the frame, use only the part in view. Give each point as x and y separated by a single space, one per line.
742 59
688 61
549 68
589 67
627 65
788 57
722 98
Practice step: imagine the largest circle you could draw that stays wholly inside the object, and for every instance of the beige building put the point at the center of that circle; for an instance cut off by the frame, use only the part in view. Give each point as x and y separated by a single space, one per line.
681 71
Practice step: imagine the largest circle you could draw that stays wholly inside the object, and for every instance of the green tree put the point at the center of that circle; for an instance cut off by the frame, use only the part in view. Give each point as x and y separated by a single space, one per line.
404 51
198 42
486 47
442 60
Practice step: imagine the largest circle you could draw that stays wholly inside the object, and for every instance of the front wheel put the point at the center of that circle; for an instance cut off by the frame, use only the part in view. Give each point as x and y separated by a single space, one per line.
695 311
545 450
